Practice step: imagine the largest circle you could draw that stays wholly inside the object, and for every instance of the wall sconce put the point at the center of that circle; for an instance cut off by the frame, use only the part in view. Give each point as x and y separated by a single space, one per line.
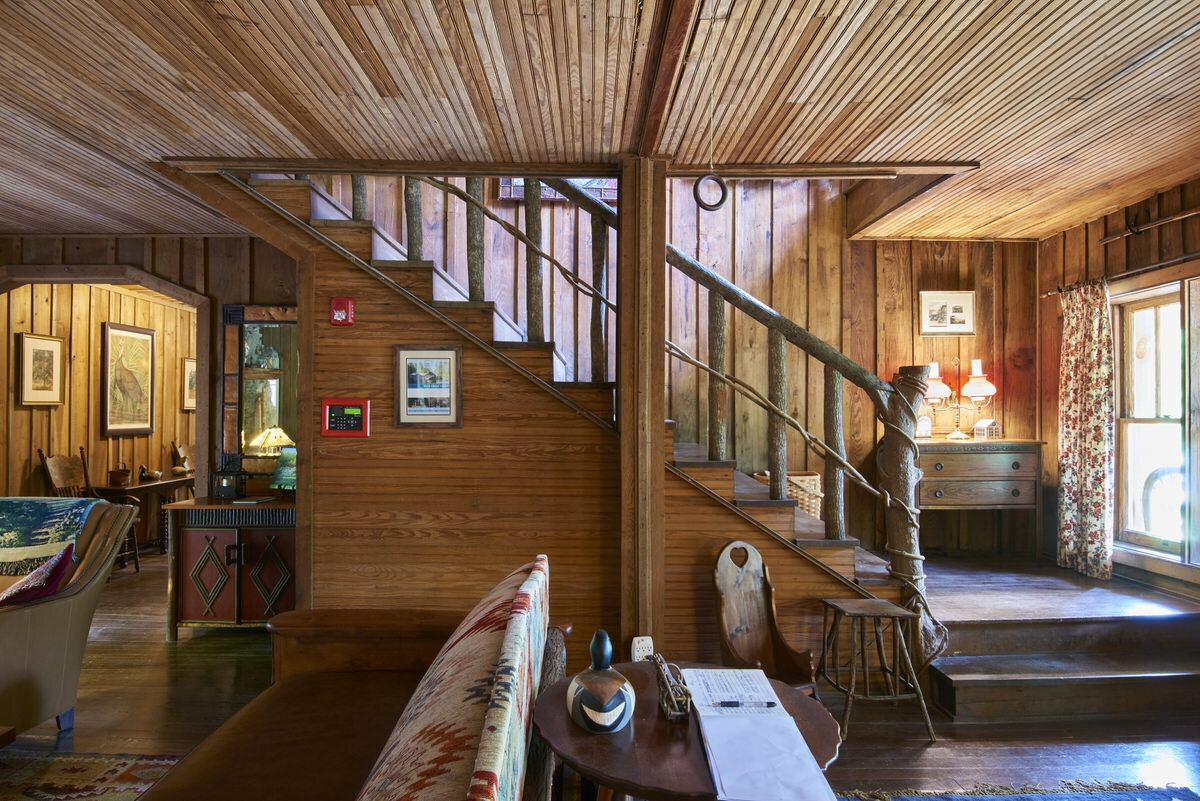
940 397
272 441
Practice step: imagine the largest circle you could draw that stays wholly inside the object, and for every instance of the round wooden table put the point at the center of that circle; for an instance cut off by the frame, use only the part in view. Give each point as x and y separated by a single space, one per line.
654 759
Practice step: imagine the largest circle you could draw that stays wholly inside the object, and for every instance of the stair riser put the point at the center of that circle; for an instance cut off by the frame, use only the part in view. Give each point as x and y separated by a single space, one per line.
1097 636
293 196
1046 699
597 401
717 479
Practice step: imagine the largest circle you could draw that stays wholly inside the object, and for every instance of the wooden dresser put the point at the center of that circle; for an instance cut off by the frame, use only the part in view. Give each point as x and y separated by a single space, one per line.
1004 474
229 564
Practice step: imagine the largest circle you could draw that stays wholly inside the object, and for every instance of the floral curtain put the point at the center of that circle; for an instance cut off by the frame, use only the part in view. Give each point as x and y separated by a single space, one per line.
1086 434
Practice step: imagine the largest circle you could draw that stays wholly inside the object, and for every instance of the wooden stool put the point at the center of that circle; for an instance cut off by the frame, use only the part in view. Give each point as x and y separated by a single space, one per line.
899 685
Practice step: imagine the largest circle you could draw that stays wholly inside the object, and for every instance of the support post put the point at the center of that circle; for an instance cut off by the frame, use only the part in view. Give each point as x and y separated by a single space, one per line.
599 322
412 218
535 326
358 197
718 391
475 282
833 507
776 427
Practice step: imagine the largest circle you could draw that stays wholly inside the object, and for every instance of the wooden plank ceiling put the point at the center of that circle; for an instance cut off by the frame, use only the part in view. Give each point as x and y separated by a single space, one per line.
1071 108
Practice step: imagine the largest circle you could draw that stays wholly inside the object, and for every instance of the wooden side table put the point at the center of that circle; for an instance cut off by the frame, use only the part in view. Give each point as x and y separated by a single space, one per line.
651 758
899 678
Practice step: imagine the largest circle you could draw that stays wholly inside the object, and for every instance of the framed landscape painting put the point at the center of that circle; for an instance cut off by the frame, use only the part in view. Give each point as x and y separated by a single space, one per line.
428 385
41 370
127 381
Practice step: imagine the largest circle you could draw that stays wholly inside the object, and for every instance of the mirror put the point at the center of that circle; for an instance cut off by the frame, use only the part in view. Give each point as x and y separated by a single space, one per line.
259 414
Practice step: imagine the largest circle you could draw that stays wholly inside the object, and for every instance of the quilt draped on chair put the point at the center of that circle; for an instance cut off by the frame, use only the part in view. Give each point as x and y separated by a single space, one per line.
1086 434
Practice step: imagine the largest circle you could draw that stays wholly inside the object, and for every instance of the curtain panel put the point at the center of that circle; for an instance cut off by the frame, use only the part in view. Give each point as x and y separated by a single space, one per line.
1086 433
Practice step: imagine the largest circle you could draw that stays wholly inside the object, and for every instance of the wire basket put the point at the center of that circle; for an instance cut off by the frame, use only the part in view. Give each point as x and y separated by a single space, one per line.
805 487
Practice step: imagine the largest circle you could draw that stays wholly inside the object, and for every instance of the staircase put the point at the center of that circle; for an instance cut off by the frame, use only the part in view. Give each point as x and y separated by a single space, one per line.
1059 668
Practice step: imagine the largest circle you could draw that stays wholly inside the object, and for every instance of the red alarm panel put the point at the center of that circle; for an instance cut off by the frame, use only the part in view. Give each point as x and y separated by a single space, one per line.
345 417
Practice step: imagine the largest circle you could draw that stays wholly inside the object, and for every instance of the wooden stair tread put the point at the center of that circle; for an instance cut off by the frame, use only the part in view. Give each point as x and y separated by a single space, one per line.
1051 668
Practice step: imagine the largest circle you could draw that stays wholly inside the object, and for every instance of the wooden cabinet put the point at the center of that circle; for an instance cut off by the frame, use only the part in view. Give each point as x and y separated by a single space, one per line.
982 474
229 564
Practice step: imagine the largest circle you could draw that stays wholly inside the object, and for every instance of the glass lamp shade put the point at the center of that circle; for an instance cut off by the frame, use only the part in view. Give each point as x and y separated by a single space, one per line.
979 390
272 440
938 393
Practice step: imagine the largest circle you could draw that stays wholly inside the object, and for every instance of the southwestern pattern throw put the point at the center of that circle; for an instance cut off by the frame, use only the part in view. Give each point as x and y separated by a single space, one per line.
34 529
431 754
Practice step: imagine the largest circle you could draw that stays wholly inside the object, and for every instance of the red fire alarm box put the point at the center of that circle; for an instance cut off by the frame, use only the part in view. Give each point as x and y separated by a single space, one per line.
341 311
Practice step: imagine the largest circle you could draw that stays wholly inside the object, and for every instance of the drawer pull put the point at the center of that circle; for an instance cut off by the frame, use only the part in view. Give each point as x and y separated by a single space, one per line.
939 466
1016 465
1016 493
939 493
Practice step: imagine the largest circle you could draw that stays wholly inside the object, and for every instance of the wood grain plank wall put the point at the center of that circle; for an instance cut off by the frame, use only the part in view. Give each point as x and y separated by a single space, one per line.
430 516
224 269
1156 254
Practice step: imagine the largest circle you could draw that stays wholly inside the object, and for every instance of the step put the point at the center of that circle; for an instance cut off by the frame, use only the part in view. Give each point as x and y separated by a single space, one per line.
354 235
597 397
294 196
717 475
836 554
1060 684
478 317
536 357
1128 633
415 276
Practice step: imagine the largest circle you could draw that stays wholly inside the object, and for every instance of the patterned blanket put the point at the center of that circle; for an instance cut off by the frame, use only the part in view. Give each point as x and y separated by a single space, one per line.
34 529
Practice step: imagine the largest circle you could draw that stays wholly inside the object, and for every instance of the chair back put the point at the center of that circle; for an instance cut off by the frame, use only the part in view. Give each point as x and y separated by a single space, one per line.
743 614
66 476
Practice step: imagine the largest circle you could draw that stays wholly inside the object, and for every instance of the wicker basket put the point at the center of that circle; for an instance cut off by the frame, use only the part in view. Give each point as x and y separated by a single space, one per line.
805 487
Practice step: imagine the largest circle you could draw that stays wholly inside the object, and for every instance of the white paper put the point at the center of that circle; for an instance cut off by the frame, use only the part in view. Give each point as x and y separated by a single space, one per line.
755 751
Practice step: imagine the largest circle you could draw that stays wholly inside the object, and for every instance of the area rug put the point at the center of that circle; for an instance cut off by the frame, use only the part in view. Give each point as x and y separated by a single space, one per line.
1070 791
50 776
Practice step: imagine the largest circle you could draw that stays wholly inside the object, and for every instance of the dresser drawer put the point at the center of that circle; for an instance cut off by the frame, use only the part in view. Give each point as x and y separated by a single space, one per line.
937 492
979 465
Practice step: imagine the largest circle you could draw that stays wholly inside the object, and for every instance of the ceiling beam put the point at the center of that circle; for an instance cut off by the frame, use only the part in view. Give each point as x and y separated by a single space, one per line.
673 43
872 201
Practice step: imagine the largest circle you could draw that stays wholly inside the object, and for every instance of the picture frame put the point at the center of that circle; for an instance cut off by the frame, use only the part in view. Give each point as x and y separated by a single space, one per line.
187 391
950 314
127 381
428 383
41 370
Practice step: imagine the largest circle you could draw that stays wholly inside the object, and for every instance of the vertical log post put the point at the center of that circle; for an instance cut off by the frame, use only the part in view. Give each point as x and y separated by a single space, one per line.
599 328
475 283
833 508
412 218
776 427
535 327
358 197
718 391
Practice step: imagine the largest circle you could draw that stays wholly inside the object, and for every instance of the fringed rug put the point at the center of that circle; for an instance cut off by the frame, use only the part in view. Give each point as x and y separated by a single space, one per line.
51 776
1069 791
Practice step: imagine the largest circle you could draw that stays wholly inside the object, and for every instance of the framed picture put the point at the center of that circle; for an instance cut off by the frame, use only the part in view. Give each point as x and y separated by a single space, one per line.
188 390
126 381
428 385
947 314
41 370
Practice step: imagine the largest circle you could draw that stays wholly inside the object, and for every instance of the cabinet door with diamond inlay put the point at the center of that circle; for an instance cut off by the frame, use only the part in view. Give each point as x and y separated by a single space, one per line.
268 572
208 579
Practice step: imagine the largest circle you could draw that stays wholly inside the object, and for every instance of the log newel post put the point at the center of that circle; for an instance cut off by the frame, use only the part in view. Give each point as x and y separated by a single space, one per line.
833 508
599 322
412 217
358 197
776 427
475 283
535 327
718 391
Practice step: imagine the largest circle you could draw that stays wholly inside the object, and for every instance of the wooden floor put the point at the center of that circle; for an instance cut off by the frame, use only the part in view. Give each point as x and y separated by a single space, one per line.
139 694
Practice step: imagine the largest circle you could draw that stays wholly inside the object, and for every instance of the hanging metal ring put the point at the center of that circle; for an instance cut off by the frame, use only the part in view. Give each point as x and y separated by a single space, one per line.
719 181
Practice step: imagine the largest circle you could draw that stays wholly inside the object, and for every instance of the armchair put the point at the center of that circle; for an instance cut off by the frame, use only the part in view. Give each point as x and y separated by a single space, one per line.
42 641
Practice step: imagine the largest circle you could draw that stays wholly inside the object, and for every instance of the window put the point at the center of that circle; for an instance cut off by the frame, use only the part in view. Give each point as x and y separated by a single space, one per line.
1152 486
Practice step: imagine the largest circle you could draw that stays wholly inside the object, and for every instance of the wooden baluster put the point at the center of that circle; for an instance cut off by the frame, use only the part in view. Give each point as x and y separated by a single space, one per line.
599 329
776 427
718 391
475 284
412 217
535 327
358 197
833 510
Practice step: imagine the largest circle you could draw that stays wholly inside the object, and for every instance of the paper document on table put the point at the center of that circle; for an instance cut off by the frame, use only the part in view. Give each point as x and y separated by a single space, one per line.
754 750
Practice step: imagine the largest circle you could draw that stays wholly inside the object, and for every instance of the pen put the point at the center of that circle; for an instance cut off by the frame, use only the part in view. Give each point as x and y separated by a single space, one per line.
743 703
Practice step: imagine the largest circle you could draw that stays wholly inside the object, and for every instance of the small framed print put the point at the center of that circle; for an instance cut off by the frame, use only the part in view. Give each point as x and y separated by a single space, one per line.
41 370
188 390
428 385
947 314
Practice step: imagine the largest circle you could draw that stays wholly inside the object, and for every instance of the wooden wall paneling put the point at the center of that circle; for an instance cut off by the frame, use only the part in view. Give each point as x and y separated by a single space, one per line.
1115 252
89 250
1170 235
979 261
433 211
21 433
1191 226
581 258
685 301
8 367
826 233
60 326
714 241
1094 232
897 343
41 250
135 250
858 412
752 251
562 319
501 271
167 258
1050 276
1018 355
790 297
1074 255
1142 248
273 272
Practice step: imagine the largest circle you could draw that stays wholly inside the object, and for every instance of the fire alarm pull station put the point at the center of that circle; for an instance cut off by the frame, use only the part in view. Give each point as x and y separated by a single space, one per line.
341 311
345 417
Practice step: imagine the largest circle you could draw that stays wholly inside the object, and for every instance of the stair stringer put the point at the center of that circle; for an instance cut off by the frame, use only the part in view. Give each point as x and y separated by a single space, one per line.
698 524
322 240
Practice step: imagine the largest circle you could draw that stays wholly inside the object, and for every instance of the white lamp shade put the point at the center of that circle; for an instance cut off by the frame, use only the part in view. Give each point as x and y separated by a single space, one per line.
938 390
978 387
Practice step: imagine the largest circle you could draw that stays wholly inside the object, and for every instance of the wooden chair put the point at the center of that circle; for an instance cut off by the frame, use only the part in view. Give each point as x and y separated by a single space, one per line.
750 635
68 477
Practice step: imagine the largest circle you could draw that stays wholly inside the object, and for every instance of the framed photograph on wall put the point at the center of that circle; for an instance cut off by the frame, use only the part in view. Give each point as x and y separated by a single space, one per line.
126 381
41 370
188 390
947 314
428 385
